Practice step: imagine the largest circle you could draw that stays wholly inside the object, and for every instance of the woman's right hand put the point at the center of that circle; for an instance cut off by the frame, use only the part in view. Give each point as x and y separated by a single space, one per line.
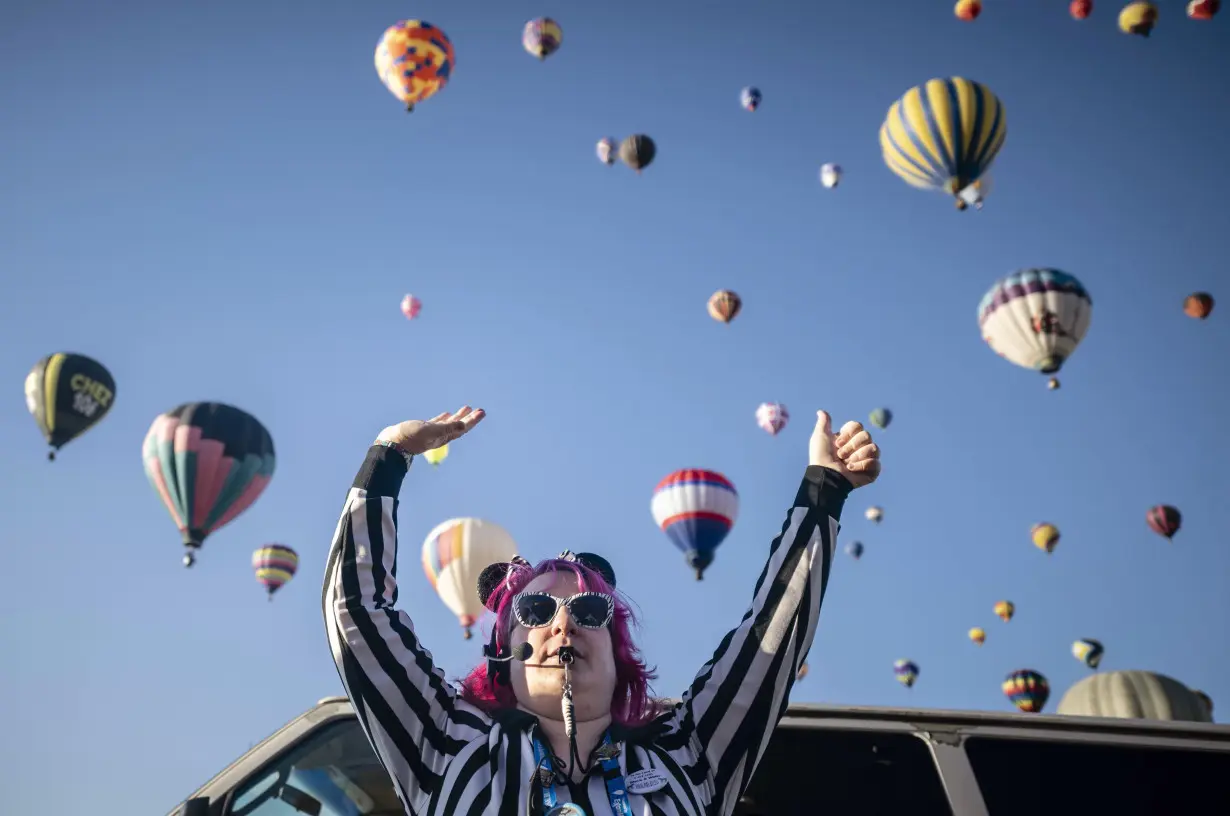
417 436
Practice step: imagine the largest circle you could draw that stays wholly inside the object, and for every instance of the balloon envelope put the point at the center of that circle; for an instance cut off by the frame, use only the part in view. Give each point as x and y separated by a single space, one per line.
455 552
274 564
1035 318
67 394
696 509
414 60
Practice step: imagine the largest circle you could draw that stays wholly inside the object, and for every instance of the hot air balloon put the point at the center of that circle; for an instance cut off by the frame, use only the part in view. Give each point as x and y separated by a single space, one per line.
436 455
1198 305
1045 537
1004 610
1138 18
411 306
906 672
855 550
209 462
606 151
1035 318
1203 9
880 417
542 37
874 514
275 564
696 509
772 417
414 60
1080 9
638 151
1164 520
968 10
724 305
67 394
750 98
1027 689
830 175
454 553
1088 651
801 673
943 135
1136 695
978 635
977 192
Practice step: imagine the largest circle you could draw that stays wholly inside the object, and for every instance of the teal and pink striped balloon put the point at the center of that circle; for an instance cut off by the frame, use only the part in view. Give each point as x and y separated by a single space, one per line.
208 463
275 564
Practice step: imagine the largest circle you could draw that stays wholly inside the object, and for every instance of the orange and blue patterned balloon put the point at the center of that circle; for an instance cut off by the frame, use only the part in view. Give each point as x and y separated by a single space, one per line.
1027 689
414 60
208 463
275 564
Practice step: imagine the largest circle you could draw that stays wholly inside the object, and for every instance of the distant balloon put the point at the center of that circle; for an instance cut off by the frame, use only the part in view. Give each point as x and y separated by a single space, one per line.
638 151
724 305
978 635
1198 305
1004 610
1138 18
880 417
750 98
436 455
772 417
1134 695
1164 520
411 306
1045 537
1088 651
696 509
67 394
855 550
874 514
455 552
414 60
1027 689
906 672
968 10
275 564
1080 9
542 37
1035 318
606 151
801 673
830 175
1203 9
208 462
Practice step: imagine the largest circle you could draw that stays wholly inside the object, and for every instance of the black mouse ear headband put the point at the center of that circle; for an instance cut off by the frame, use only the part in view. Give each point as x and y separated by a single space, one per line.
502 572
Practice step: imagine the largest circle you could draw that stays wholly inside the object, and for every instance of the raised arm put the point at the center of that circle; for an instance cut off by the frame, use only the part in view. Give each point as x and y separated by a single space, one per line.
410 713
723 723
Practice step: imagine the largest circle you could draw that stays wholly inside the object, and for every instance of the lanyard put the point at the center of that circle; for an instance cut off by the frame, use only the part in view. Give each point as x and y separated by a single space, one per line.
615 788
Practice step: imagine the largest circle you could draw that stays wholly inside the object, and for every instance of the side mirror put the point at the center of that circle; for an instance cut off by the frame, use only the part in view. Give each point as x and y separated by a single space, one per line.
195 807
301 801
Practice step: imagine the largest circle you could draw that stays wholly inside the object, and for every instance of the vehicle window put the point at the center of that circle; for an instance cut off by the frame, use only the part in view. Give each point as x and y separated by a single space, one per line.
1036 776
333 771
859 773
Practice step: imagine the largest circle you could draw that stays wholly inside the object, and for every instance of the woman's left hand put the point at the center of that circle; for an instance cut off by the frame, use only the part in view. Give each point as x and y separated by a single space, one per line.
851 452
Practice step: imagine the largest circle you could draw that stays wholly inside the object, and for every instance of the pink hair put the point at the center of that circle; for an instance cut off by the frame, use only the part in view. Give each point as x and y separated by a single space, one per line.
631 704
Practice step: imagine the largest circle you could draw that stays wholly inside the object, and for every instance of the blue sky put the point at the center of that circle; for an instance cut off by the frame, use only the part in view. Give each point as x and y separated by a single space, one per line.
221 202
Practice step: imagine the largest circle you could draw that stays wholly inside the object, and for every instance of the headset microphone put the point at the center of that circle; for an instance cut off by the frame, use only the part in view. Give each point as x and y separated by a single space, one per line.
522 652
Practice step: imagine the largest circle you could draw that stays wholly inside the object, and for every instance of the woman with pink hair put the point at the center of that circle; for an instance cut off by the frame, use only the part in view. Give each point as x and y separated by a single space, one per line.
559 719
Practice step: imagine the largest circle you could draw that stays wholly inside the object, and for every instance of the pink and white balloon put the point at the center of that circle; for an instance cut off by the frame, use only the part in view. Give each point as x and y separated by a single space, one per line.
411 306
772 416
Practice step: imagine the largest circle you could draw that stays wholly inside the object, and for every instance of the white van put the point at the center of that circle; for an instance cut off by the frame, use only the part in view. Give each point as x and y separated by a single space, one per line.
825 760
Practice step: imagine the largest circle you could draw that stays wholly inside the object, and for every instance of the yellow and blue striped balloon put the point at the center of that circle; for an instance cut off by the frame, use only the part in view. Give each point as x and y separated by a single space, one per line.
943 135
274 564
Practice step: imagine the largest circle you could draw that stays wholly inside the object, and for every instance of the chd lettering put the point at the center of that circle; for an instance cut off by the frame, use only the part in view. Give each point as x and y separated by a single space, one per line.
88 394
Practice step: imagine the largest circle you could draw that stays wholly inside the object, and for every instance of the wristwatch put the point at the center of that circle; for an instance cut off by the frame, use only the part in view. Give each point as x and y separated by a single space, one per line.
409 457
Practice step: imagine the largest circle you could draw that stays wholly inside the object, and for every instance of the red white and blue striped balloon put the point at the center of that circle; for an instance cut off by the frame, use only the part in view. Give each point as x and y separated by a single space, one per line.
696 509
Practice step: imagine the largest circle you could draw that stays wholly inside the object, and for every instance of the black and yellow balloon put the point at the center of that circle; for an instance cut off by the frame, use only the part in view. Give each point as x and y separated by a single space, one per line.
68 394
943 135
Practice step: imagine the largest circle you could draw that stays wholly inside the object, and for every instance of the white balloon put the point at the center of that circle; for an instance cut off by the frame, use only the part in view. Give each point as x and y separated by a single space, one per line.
1035 318
455 553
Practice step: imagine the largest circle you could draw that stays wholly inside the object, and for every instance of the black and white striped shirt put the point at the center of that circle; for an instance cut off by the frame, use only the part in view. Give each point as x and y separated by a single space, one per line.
448 758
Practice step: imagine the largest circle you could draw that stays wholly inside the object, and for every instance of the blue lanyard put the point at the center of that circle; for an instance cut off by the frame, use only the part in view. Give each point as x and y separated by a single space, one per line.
615 789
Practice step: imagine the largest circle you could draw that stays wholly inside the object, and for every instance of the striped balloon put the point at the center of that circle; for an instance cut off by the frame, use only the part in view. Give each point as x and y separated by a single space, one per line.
275 564
1027 689
1035 318
906 672
208 462
696 509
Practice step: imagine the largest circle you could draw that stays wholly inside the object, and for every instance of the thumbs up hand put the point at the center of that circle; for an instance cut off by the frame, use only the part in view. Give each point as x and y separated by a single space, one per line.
850 452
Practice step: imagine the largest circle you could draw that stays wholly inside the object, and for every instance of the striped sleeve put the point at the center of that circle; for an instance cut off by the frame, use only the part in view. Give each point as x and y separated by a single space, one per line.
722 725
410 713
